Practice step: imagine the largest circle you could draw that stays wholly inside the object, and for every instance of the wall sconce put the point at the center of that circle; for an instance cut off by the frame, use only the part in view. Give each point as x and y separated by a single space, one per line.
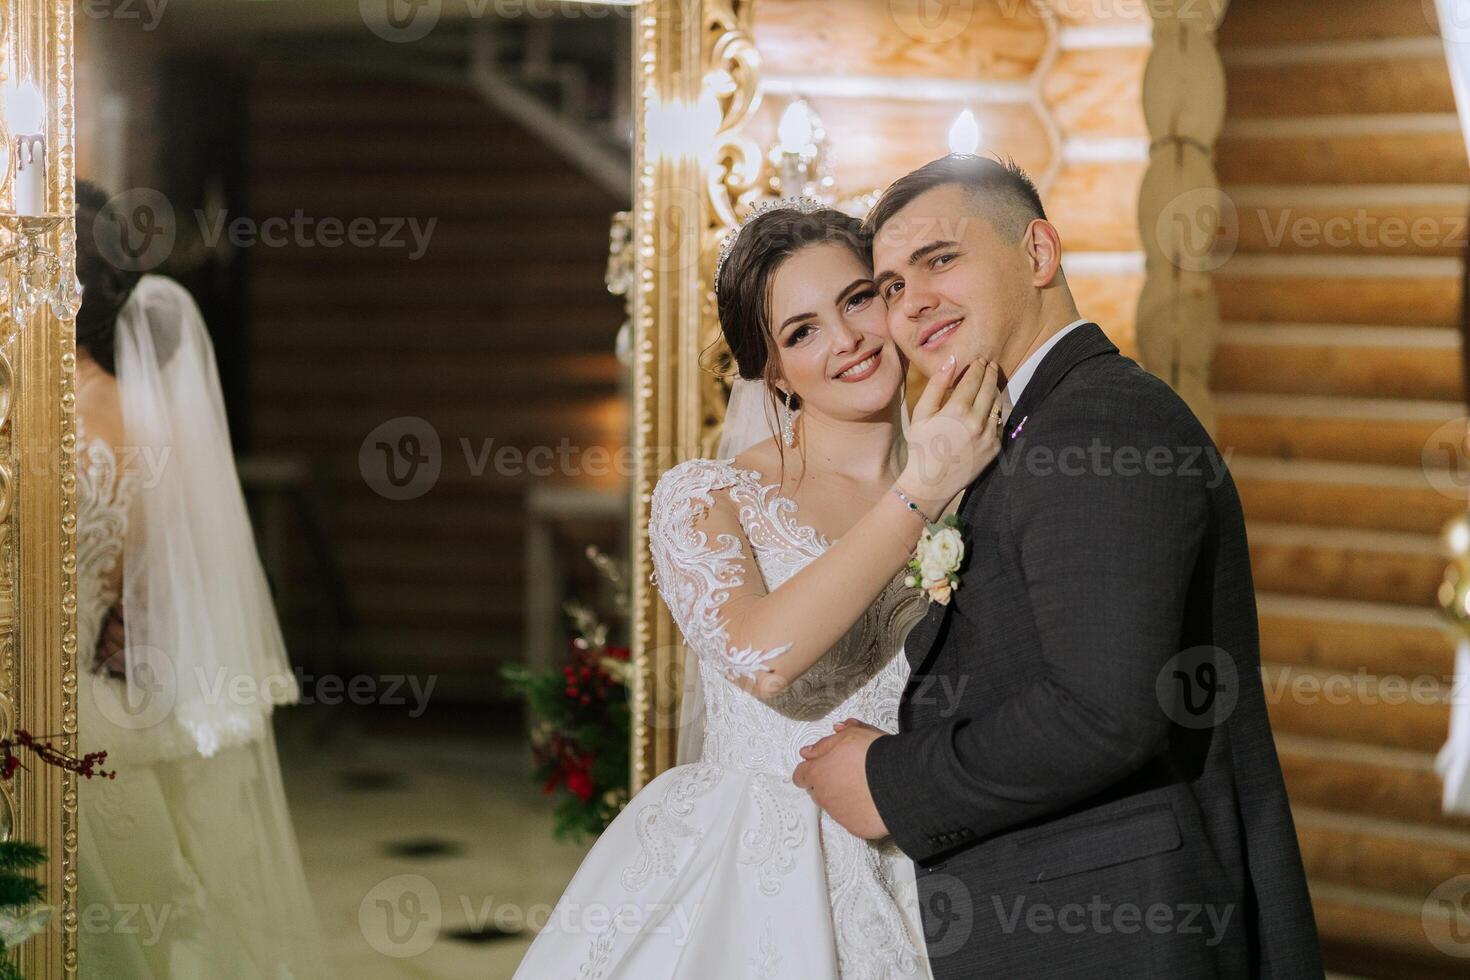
799 166
38 249
800 162
621 273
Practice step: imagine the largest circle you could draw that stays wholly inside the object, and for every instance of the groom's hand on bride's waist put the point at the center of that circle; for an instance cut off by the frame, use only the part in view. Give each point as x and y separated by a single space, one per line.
834 773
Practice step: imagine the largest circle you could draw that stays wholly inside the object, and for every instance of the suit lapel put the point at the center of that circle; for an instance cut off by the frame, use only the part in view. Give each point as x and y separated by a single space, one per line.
921 638
1086 341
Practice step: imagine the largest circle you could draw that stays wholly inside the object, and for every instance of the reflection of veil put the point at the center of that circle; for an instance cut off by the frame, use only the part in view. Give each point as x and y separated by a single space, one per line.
197 612
196 822
750 418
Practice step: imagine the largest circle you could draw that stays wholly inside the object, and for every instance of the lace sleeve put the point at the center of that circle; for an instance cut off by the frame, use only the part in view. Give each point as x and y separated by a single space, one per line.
104 495
701 563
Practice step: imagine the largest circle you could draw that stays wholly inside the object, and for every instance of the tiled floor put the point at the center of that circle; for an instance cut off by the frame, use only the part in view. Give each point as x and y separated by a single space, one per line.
477 835
404 823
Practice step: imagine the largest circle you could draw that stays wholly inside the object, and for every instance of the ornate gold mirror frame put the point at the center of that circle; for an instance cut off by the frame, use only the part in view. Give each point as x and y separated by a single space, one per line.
38 599
695 85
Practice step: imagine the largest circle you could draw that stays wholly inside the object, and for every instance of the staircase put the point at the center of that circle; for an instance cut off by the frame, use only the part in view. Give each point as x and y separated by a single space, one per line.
1338 362
565 80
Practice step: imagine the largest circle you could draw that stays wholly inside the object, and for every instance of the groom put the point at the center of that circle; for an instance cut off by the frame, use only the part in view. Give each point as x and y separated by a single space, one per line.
1084 774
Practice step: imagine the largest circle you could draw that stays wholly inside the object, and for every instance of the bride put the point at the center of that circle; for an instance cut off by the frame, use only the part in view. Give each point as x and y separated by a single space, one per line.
188 862
782 562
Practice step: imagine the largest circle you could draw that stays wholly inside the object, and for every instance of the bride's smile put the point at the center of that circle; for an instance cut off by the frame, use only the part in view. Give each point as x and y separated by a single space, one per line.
862 369
834 349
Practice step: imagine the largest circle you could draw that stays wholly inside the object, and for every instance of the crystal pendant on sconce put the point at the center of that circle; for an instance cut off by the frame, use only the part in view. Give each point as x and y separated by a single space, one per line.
22 303
66 291
23 292
29 272
66 300
40 273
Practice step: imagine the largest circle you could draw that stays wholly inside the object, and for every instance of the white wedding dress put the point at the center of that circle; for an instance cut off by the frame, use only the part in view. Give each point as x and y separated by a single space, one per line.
185 871
723 869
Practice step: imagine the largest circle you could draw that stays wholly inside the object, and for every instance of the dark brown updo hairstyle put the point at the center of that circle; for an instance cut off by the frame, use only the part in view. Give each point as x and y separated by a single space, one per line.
744 287
105 286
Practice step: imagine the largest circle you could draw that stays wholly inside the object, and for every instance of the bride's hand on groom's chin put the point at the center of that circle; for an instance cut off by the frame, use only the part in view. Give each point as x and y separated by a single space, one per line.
835 774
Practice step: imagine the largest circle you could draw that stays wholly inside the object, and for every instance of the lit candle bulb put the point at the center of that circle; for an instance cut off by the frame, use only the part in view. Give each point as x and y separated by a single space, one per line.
964 133
794 132
25 114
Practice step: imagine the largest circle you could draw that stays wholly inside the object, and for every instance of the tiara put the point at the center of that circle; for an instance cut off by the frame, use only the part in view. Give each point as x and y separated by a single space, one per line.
805 205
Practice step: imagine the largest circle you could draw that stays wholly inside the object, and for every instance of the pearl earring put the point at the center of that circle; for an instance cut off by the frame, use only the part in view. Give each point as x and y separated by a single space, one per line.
788 421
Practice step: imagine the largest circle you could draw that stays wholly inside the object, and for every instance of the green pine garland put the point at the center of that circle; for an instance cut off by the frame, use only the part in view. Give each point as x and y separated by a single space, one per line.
17 856
18 891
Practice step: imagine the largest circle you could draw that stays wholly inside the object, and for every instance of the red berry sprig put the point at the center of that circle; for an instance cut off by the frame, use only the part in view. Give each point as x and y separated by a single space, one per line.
86 766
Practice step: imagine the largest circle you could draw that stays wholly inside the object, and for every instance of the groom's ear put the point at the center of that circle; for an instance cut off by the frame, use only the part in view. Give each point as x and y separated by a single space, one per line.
1043 248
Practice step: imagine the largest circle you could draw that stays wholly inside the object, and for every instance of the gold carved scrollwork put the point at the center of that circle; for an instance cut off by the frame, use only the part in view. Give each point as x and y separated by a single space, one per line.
733 82
733 177
687 192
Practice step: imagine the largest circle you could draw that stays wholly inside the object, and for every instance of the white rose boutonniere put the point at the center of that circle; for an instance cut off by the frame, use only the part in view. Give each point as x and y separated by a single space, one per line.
934 569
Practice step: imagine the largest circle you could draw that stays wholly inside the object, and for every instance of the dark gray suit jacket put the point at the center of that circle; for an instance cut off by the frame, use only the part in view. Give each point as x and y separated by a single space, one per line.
1084 773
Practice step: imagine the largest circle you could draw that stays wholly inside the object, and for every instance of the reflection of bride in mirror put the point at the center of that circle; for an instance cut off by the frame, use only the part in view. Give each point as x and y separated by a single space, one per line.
188 862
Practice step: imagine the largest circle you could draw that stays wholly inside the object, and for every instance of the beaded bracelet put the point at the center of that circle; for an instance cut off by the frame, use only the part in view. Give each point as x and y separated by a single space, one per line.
910 504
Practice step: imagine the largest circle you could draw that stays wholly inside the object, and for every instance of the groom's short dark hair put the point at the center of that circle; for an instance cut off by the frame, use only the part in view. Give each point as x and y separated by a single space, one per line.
1000 190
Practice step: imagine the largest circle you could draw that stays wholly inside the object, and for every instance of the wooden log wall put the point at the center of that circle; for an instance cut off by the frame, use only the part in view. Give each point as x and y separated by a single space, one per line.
1059 91
501 330
1336 380
1180 208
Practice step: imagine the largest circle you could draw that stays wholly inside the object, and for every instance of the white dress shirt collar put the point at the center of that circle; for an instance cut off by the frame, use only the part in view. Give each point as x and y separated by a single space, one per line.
1022 375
